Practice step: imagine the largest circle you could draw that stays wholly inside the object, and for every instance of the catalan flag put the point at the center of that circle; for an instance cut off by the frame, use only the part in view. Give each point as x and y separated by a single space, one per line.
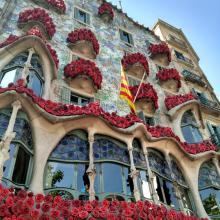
125 92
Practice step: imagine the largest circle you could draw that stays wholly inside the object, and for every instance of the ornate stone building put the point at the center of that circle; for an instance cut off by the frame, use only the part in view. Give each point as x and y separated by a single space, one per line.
65 131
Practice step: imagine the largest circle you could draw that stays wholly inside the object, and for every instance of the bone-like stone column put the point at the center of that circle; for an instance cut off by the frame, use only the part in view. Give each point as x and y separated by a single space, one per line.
8 137
134 173
151 178
91 171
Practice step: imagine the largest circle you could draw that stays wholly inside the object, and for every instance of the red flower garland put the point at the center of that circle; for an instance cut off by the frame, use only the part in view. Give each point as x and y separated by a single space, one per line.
84 34
106 8
146 91
173 101
34 31
39 15
84 67
131 59
161 48
58 4
23 205
94 109
166 74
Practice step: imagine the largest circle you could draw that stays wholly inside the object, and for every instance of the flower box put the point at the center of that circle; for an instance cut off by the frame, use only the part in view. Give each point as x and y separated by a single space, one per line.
57 5
83 75
84 42
37 17
161 53
135 64
106 12
147 99
169 79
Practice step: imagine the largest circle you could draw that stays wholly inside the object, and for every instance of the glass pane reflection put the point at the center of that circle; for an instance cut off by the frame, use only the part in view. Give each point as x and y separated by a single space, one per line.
59 175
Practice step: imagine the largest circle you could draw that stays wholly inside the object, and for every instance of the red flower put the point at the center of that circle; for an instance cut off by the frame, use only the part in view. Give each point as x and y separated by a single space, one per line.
39 198
166 74
146 91
35 213
161 48
106 8
45 207
83 214
57 4
84 67
84 34
133 58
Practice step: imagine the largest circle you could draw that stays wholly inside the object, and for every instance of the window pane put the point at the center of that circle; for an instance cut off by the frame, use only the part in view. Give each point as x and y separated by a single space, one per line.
210 201
9 77
144 185
59 175
7 169
188 135
97 179
197 135
112 177
82 178
129 182
158 188
34 83
21 166
185 198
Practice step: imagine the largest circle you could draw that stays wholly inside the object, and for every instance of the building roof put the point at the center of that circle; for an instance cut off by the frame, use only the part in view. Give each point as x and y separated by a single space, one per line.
179 30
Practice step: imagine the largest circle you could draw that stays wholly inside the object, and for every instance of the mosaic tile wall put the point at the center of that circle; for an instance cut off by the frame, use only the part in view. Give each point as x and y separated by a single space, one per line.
111 49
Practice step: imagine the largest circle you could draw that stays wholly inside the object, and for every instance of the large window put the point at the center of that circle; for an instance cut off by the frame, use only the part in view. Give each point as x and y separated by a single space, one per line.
20 150
209 187
65 172
167 186
14 70
190 128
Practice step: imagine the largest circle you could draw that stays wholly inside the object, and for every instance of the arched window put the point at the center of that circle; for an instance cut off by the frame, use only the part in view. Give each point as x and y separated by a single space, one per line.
20 150
112 160
66 168
190 129
14 70
209 188
166 186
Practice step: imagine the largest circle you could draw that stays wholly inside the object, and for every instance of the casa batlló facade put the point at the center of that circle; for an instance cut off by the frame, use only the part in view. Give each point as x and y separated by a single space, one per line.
69 146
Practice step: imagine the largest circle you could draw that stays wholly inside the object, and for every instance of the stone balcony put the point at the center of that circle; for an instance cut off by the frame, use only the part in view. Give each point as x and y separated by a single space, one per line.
177 42
185 61
194 78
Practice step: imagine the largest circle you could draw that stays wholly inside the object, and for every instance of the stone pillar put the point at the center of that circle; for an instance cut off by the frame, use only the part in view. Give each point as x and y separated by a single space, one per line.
91 171
216 163
8 137
27 65
150 177
134 173
175 184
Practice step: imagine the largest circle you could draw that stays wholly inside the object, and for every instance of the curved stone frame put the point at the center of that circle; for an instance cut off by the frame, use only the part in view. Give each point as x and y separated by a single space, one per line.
47 128
19 143
177 113
49 68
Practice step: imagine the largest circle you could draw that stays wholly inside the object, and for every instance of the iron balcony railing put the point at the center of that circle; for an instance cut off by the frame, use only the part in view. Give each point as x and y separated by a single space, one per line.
209 104
176 40
185 60
215 139
192 77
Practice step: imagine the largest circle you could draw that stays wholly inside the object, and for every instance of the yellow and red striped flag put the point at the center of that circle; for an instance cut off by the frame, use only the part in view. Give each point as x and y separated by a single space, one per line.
125 92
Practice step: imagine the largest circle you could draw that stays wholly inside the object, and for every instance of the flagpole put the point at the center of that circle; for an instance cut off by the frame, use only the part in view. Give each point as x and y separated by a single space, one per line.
139 87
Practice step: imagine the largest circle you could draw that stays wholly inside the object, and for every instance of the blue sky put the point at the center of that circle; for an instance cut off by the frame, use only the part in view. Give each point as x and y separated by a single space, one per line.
199 20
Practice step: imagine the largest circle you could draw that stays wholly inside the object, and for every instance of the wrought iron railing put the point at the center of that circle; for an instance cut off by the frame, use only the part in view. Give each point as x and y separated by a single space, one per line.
185 60
176 40
209 104
215 139
189 76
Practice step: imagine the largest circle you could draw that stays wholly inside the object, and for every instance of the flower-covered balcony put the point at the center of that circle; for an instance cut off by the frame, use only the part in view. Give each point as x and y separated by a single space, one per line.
169 79
135 64
83 42
177 100
160 53
83 75
146 99
194 78
106 12
56 5
37 17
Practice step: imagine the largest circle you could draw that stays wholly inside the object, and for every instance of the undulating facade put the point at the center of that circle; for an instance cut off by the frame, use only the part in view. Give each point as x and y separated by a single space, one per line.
65 131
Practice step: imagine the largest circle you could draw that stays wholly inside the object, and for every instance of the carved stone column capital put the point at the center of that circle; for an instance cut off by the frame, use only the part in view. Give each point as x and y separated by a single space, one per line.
134 173
16 105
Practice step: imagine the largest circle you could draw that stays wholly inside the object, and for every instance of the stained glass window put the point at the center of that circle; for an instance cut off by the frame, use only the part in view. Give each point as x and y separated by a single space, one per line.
139 158
108 149
72 147
178 174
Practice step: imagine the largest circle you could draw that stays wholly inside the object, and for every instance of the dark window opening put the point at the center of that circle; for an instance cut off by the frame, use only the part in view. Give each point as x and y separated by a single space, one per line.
126 37
79 100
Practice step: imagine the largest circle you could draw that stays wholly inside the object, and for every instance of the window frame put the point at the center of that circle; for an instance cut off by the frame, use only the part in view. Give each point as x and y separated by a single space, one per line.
77 9
130 44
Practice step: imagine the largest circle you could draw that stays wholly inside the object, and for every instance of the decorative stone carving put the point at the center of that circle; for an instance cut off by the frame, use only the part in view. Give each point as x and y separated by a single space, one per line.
170 84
